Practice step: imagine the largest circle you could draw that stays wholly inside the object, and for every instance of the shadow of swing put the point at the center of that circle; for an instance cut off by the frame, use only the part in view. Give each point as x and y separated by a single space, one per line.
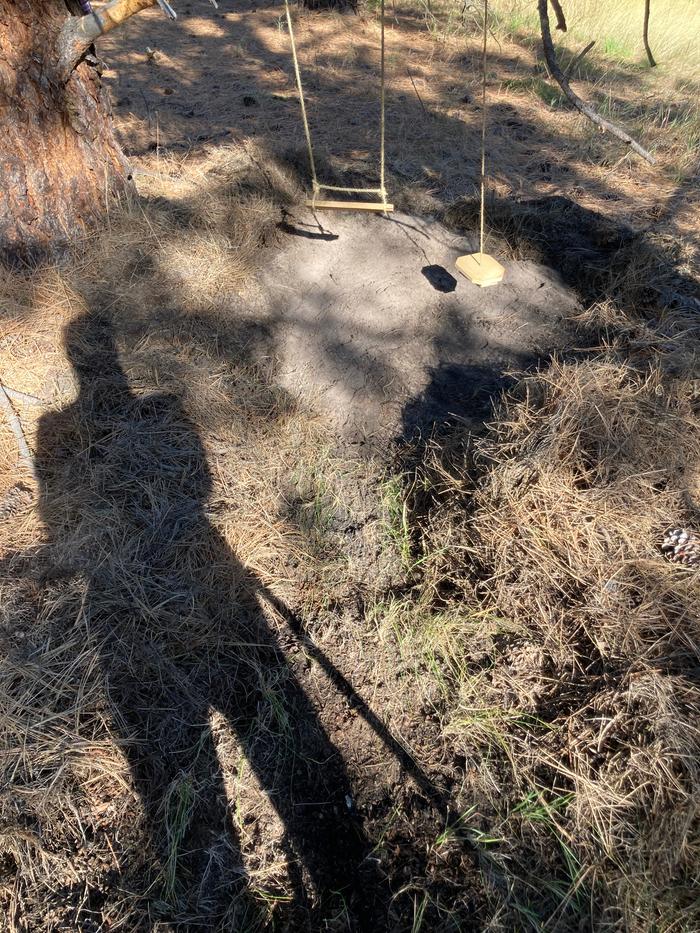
440 278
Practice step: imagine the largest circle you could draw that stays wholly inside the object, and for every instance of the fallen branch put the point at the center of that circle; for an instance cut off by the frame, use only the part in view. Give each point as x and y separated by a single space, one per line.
573 98
577 60
647 10
15 425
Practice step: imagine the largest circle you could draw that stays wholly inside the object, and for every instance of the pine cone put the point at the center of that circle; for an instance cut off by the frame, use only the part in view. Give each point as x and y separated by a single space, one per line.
682 546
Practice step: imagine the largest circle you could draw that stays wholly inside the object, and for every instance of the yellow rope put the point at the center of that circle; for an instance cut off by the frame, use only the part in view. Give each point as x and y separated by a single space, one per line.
317 186
483 130
300 89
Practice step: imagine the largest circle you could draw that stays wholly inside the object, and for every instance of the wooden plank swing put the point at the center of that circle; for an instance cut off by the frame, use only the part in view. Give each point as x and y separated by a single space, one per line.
349 205
316 202
480 268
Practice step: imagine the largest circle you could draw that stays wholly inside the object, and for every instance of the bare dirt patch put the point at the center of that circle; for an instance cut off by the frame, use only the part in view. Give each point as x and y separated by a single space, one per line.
371 312
251 681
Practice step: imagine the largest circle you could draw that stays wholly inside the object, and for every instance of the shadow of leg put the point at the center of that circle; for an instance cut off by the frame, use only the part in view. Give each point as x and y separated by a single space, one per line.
193 845
304 777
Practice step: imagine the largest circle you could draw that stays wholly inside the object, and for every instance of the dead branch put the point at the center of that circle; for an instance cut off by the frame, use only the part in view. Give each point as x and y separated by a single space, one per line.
647 10
573 98
559 13
579 58
15 425
79 32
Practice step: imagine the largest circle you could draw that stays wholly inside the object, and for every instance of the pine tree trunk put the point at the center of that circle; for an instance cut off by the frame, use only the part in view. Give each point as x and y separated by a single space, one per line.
60 161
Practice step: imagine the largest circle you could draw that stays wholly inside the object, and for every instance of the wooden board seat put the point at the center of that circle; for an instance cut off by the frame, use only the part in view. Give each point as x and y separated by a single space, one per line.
481 269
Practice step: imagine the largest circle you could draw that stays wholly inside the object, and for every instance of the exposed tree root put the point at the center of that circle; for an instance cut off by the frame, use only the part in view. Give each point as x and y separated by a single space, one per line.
573 98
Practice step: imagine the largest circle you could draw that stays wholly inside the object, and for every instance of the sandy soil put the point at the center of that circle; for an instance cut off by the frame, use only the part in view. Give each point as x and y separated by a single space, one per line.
227 76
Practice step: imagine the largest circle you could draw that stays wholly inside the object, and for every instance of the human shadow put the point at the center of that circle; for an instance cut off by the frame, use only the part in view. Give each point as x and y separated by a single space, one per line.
176 621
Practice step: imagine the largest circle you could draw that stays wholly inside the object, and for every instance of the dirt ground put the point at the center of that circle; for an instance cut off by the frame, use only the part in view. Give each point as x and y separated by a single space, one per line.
238 695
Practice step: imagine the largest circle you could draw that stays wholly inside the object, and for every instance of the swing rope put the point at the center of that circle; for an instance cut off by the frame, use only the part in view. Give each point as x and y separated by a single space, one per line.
317 186
482 212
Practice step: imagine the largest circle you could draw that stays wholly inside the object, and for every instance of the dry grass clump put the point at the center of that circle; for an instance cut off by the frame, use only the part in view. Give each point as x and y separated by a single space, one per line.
194 234
573 685
15 296
66 782
185 247
620 447
580 643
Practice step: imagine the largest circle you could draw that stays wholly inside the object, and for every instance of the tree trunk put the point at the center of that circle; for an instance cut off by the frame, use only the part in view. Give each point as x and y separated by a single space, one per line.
60 161
645 31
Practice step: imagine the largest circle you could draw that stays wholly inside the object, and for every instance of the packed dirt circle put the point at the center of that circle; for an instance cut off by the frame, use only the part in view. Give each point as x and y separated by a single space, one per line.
336 592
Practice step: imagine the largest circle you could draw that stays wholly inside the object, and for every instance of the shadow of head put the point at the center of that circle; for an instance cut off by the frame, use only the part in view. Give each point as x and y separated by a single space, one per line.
132 456
440 278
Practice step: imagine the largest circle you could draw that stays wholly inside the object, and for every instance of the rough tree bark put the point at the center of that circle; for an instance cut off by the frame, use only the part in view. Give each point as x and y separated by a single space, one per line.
59 158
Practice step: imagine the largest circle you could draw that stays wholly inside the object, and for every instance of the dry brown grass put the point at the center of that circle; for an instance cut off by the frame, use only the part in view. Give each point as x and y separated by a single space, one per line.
537 144
151 689
202 431
182 249
531 603
570 644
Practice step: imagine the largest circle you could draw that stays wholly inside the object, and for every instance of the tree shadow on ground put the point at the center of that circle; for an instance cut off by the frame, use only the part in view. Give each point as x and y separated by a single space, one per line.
228 76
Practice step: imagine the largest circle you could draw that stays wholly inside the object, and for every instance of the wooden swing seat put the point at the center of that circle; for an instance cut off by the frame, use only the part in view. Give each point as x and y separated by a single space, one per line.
349 205
381 206
481 269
